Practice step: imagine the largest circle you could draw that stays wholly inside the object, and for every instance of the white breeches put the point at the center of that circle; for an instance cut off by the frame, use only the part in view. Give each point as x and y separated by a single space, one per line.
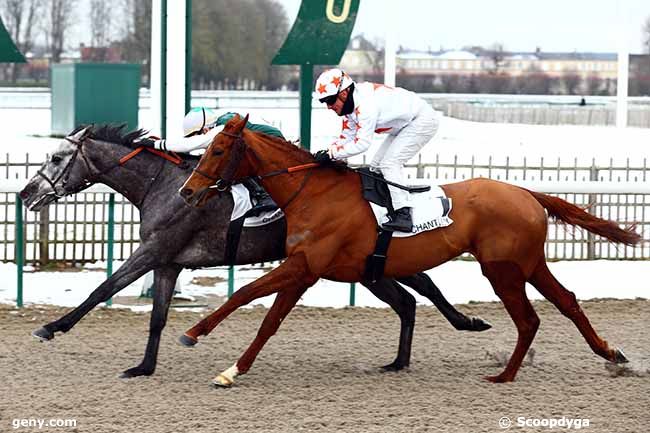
397 149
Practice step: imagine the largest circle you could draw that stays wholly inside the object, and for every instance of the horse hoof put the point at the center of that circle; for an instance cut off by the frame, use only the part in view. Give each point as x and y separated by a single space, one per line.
221 381
619 357
135 372
498 379
187 341
394 366
479 324
43 334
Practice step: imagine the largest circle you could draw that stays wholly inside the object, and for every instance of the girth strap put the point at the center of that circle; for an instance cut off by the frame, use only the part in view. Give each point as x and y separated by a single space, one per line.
376 262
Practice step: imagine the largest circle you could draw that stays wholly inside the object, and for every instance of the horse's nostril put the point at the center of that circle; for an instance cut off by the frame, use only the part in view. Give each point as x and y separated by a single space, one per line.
186 192
24 194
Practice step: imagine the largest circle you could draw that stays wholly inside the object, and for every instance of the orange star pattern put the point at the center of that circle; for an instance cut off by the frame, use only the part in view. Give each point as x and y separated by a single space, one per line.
345 124
336 81
322 88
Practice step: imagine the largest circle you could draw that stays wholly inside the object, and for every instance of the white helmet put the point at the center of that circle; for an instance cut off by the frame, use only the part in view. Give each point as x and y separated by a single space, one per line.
197 119
331 82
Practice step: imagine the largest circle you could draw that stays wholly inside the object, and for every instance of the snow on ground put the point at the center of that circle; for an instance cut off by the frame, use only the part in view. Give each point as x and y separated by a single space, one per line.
460 281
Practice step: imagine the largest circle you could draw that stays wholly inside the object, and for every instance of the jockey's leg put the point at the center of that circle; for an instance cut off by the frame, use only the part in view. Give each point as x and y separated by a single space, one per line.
405 145
260 199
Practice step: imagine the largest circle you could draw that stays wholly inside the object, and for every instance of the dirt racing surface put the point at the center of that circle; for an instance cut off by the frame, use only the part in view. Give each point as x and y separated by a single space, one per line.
319 373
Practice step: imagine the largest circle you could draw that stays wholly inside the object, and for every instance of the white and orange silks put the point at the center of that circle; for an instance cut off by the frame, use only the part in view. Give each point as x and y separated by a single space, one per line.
407 119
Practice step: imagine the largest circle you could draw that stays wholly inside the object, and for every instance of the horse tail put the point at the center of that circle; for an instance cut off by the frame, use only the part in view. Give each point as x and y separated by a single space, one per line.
571 214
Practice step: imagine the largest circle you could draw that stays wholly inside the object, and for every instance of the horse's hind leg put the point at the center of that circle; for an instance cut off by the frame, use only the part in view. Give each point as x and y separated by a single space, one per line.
422 284
566 302
164 282
403 303
509 284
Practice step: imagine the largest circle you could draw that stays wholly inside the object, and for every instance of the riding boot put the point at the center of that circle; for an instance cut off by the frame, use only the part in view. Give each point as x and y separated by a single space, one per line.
399 220
260 199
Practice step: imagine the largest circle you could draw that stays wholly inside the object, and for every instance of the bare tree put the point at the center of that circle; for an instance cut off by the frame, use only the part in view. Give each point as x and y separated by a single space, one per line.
572 82
21 18
497 56
60 19
100 23
594 85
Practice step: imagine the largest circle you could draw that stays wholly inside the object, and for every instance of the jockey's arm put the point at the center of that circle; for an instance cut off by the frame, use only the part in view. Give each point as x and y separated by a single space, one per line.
187 144
355 140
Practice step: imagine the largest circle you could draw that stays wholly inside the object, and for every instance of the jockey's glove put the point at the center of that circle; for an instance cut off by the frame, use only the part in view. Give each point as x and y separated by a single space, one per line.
147 142
322 157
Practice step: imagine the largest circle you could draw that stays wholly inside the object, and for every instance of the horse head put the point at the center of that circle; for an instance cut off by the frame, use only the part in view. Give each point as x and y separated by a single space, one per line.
220 165
65 172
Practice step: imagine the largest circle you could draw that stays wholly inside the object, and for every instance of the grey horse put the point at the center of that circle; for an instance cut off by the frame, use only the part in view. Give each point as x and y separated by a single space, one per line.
174 235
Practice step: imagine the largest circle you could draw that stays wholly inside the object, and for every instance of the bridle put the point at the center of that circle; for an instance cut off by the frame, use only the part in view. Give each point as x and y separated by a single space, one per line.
92 174
224 182
64 176
240 148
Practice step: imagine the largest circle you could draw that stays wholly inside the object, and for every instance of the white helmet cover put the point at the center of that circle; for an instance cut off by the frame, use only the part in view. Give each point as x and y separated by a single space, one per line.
197 119
331 82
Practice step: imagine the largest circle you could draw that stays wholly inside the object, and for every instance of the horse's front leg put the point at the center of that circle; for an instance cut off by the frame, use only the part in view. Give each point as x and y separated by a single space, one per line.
164 282
293 273
283 304
140 262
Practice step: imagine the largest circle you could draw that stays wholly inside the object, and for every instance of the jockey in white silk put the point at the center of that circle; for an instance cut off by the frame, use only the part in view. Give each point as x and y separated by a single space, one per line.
369 108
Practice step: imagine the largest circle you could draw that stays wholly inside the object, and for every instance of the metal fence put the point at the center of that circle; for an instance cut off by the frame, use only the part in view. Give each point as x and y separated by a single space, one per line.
74 230
638 116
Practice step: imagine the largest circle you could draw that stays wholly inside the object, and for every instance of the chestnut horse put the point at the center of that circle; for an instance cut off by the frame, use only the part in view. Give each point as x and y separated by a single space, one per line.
331 230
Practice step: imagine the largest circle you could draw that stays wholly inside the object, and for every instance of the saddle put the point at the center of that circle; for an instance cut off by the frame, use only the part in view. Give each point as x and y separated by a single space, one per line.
375 188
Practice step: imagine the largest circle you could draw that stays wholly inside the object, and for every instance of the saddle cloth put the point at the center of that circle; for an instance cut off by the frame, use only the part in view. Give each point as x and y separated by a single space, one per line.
430 209
242 204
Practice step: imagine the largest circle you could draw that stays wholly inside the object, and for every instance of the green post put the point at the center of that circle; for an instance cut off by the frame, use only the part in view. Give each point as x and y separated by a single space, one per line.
353 289
20 251
231 281
111 239
306 77
319 36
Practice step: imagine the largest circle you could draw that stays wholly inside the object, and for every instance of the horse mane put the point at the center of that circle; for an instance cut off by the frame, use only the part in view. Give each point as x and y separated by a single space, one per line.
113 134
301 154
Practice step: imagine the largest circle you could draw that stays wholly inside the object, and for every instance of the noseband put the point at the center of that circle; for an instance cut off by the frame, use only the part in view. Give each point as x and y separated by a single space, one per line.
65 173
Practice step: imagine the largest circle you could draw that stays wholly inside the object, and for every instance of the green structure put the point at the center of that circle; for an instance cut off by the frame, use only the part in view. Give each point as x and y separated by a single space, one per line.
84 93
319 36
8 51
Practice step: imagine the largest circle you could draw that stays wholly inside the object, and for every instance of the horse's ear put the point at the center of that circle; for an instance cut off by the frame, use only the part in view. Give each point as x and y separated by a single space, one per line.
82 132
242 123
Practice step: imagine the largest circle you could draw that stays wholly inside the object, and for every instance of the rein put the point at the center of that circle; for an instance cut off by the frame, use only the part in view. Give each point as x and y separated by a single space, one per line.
239 150
94 174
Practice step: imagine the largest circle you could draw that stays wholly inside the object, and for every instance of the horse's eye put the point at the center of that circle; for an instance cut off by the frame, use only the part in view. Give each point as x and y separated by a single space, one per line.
56 159
217 152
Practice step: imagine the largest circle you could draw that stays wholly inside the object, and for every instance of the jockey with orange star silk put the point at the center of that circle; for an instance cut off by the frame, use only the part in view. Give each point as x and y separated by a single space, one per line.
369 108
